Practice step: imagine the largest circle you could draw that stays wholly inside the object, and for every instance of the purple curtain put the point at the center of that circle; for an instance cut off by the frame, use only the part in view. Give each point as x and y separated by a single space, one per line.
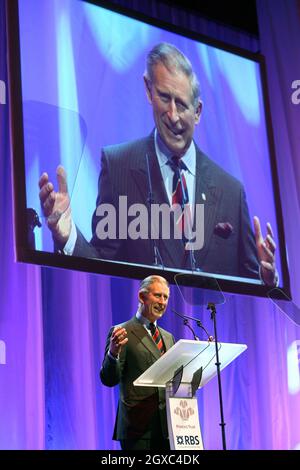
53 323
22 392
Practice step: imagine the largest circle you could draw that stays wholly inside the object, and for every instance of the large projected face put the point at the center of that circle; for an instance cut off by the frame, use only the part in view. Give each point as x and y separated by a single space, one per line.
175 113
182 172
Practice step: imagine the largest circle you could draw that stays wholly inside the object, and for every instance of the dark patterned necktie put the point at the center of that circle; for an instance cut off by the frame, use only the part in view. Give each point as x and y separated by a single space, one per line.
179 188
180 196
157 338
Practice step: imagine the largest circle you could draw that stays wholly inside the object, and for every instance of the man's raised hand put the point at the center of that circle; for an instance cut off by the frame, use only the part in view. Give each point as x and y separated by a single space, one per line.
56 206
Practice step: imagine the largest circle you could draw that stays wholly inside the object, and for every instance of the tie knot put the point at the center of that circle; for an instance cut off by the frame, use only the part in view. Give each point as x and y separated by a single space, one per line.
152 328
176 163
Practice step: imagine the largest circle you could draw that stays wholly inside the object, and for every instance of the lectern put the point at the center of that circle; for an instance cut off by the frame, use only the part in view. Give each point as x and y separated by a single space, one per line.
184 368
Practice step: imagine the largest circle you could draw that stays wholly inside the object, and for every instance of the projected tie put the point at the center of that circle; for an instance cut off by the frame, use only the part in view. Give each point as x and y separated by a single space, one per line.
180 196
157 338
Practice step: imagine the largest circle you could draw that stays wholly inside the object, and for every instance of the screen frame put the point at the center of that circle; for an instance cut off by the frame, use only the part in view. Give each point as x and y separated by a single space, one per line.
113 268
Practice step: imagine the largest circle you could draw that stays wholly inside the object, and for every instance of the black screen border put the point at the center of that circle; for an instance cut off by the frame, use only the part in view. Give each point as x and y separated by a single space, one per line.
96 266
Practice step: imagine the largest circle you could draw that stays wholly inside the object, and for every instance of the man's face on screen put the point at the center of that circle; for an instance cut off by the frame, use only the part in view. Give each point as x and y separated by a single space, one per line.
174 113
155 301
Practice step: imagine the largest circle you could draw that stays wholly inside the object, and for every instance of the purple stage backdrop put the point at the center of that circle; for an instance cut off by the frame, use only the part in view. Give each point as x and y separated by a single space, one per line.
53 323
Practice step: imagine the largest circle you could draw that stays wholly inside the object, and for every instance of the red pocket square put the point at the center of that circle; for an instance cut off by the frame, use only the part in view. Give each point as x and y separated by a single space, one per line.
223 229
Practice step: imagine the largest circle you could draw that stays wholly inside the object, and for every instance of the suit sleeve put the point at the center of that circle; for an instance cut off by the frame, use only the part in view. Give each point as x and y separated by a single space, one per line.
83 248
248 261
99 247
109 247
111 370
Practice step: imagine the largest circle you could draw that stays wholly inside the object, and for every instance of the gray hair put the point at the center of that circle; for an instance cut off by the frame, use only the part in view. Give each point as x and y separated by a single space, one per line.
146 283
172 58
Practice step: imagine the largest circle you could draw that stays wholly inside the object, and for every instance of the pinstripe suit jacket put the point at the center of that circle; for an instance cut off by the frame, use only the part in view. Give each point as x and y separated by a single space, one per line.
124 172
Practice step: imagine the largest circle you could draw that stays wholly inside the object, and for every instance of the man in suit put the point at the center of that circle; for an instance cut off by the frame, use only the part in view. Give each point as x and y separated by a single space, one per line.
131 349
130 169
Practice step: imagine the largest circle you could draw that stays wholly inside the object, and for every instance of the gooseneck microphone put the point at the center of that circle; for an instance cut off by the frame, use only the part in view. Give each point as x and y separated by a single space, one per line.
186 323
32 222
198 322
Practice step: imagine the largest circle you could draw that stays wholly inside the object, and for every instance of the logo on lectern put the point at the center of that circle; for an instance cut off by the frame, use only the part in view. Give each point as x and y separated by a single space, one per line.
183 410
187 440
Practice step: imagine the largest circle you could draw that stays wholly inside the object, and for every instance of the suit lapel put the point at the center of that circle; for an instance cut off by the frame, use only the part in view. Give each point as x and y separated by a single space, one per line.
209 194
141 176
166 339
139 331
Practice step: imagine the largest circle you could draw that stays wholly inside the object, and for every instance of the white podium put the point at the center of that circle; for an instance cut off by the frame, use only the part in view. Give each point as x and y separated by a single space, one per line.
184 368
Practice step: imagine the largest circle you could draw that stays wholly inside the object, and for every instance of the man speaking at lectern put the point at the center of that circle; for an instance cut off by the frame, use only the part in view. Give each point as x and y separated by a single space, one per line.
131 348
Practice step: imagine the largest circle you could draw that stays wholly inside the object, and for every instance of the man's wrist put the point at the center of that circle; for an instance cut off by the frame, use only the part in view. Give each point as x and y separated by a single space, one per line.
112 356
70 245
263 272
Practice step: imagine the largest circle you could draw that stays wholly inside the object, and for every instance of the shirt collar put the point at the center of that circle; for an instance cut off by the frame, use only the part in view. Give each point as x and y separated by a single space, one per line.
164 154
143 320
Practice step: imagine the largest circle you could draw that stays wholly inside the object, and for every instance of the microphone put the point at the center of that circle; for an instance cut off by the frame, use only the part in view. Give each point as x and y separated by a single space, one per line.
199 323
186 323
157 256
32 222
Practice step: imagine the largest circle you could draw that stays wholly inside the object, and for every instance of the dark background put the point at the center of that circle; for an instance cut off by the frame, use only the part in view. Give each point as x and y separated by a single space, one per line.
237 14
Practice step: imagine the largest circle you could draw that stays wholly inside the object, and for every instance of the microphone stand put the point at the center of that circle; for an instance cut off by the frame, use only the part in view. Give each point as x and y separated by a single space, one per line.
150 201
200 324
186 323
212 307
